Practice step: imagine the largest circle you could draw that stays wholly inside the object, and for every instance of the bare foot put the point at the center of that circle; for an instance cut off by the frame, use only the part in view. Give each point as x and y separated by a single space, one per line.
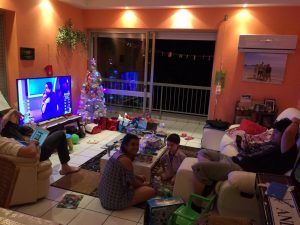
66 169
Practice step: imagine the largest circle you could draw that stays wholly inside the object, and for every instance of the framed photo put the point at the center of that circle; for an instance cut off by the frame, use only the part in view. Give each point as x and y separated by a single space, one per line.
270 104
27 53
264 68
259 107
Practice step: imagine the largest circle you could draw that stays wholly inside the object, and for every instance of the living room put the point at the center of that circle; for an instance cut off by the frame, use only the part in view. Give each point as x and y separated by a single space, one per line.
34 25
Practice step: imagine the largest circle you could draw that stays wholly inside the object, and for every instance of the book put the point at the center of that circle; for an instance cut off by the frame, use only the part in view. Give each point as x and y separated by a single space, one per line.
40 135
277 190
70 201
3 103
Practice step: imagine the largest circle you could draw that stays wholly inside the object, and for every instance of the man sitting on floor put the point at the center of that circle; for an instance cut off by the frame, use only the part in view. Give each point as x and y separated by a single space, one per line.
55 141
277 156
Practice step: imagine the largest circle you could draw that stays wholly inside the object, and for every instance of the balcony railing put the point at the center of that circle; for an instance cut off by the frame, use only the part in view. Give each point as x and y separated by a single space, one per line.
176 98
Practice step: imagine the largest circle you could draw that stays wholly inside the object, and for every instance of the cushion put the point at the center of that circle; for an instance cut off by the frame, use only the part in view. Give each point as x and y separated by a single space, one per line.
251 127
243 181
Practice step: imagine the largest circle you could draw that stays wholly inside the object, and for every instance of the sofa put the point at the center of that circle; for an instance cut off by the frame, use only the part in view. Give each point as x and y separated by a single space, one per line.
236 195
33 180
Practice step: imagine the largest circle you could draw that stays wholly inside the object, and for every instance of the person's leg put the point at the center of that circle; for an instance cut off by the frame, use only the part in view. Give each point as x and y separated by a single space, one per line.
142 194
208 172
208 155
57 141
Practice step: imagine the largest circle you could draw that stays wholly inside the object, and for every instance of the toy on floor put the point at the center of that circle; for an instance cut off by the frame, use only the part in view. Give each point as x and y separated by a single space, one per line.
69 142
185 215
186 136
92 141
75 139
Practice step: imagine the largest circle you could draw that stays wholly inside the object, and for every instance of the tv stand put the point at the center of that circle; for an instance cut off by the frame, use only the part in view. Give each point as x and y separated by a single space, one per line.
60 122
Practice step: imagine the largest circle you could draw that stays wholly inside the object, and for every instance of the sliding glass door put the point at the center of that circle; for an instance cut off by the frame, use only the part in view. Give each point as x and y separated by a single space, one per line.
155 71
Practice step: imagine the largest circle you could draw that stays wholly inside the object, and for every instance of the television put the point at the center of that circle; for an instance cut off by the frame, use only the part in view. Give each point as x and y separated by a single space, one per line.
44 98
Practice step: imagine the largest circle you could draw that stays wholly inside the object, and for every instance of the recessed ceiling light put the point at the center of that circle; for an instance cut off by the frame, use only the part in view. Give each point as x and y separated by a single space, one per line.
245 5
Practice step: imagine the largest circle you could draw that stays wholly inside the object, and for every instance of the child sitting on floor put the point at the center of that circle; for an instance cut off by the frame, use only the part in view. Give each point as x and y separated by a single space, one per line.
172 159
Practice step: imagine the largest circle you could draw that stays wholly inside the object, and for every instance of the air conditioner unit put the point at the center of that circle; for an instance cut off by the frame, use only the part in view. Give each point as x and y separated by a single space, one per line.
268 43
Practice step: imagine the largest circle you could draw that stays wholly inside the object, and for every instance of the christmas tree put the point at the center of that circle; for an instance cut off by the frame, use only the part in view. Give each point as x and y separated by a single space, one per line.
92 101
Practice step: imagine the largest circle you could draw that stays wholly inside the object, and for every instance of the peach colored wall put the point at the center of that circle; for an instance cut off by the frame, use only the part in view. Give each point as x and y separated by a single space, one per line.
34 23
30 25
264 20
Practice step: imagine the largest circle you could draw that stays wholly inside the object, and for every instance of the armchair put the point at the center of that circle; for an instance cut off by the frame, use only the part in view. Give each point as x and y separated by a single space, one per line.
33 179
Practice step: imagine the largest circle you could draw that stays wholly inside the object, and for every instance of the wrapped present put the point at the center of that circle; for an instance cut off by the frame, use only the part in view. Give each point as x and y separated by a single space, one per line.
158 210
102 123
142 124
152 126
123 123
92 128
112 124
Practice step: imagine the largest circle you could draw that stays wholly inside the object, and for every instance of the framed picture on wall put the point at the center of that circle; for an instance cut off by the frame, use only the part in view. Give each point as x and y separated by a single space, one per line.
264 67
27 53
270 104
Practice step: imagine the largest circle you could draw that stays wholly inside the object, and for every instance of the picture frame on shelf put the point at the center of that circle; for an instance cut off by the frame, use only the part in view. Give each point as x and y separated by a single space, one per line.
270 104
259 107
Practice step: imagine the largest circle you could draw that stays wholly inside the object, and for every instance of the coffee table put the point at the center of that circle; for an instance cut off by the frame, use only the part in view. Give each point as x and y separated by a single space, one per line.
140 168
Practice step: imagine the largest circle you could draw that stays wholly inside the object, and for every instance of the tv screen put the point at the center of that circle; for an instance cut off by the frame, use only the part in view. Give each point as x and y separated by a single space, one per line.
44 98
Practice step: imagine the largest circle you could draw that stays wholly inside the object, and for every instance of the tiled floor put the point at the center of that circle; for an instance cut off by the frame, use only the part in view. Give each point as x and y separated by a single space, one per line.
90 211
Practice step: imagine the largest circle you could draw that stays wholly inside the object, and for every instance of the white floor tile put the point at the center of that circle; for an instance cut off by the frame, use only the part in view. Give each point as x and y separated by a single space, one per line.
95 205
61 215
89 218
117 221
89 153
85 200
142 220
56 194
55 177
132 214
79 159
193 144
37 209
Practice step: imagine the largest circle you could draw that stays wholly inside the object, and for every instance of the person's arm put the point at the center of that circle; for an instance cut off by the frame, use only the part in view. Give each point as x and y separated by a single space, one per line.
29 151
8 116
289 135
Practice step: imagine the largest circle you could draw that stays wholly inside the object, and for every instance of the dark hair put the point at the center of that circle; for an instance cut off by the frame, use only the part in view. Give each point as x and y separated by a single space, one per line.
50 86
126 140
174 138
282 124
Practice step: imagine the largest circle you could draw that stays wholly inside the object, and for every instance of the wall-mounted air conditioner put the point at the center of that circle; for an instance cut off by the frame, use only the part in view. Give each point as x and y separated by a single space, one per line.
268 43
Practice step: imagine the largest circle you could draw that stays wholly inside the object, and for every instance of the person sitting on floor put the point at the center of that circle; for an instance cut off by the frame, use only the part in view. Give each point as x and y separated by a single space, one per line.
172 159
55 141
277 156
119 188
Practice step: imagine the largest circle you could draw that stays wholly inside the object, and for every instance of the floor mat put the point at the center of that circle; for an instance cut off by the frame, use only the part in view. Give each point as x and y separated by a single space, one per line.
84 181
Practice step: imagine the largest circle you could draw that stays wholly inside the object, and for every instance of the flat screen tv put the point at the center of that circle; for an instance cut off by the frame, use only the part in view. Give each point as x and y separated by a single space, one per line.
44 98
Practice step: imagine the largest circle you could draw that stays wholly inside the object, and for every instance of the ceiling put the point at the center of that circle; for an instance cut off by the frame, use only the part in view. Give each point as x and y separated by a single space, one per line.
121 4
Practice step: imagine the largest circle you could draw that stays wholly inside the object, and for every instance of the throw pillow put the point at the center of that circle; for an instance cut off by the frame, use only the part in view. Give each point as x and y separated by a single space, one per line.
251 127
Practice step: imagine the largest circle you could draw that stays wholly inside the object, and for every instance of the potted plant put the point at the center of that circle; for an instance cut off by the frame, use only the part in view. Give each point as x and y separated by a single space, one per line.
69 37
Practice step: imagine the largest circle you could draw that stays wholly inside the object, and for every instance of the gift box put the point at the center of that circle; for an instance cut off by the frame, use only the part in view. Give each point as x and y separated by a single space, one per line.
152 126
158 210
112 124
102 123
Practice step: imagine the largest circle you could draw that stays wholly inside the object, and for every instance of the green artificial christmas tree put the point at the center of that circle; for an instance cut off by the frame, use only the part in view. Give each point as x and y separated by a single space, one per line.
92 101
